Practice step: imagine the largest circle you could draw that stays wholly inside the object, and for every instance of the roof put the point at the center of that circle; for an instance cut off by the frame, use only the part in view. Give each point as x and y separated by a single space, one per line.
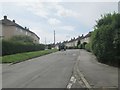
88 35
75 39
79 38
12 23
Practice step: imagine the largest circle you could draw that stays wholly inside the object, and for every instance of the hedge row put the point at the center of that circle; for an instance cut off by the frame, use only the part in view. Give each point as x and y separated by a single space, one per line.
75 47
87 47
9 47
105 39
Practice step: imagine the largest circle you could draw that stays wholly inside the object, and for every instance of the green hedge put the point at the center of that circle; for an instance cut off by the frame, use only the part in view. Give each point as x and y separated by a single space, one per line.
87 47
105 39
9 47
75 47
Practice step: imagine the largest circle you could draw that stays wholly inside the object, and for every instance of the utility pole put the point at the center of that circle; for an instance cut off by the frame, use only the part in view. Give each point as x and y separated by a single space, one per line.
119 7
54 37
45 40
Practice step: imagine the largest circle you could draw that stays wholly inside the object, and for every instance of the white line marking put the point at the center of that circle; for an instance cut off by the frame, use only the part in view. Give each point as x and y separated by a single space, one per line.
69 85
72 81
74 54
82 76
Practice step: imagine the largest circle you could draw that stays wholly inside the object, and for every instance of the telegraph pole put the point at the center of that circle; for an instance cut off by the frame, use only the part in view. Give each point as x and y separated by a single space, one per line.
119 7
45 40
54 37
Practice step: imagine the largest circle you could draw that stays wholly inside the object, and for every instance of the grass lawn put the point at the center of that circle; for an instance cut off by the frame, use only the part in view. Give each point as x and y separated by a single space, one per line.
15 58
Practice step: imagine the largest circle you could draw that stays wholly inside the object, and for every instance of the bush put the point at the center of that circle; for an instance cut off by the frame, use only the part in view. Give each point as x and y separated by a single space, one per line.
81 46
49 46
75 47
22 39
9 47
105 40
87 47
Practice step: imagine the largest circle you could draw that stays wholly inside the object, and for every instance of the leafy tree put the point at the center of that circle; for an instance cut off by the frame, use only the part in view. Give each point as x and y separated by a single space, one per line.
78 43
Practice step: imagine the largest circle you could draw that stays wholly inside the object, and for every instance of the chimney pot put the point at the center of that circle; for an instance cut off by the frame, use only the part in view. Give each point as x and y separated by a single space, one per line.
5 17
82 35
14 21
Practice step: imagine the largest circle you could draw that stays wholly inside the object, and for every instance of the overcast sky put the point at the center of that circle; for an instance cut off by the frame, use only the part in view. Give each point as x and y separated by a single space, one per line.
68 19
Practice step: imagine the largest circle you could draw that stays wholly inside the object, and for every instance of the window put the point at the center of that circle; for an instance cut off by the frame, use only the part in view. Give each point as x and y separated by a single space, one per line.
20 30
26 33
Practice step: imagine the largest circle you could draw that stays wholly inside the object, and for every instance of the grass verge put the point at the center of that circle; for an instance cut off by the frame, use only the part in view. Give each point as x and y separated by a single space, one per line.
15 58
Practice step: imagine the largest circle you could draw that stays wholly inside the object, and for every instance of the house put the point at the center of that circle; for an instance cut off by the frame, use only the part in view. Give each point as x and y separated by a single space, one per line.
86 38
11 28
83 39
57 45
73 42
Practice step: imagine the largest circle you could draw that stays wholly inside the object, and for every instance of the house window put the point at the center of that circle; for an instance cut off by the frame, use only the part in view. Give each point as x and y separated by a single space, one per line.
17 29
21 30
26 33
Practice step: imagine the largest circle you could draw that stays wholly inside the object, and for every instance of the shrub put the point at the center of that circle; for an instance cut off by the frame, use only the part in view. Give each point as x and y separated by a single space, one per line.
22 39
87 47
105 40
49 46
9 47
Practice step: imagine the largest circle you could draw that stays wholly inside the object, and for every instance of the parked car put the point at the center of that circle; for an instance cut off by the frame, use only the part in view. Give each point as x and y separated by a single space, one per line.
62 47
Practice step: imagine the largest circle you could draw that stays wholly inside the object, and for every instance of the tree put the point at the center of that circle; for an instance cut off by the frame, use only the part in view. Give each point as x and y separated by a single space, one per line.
78 44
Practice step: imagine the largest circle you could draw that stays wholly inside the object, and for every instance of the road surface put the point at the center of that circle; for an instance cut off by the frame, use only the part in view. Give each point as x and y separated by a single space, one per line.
63 69
49 71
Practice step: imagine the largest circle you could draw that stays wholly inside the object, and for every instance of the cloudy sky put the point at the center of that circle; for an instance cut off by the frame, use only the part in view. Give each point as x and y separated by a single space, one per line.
68 19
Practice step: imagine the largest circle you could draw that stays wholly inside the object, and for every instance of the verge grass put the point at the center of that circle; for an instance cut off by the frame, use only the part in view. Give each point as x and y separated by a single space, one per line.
15 58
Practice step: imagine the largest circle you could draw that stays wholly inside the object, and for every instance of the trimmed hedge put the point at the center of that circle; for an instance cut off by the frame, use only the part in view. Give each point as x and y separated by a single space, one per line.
87 47
9 47
105 39
75 47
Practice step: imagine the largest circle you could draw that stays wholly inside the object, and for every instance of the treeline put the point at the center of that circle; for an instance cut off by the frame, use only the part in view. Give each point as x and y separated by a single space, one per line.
105 39
20 44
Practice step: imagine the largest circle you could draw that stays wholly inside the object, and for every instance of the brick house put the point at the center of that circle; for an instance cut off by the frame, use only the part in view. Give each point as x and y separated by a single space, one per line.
10 29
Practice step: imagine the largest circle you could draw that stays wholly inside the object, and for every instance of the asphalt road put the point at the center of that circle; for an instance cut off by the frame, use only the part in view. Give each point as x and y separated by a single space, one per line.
59 70
49 71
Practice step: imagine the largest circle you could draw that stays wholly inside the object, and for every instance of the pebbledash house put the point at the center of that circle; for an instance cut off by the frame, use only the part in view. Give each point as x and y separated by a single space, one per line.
10 28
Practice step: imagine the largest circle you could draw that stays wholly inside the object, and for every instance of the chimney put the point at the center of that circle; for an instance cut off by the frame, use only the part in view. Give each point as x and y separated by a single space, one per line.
25 27
14 21
5 17
82 35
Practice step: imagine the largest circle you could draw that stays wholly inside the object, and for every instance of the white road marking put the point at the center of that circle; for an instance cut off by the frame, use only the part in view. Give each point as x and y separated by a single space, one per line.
72 78
69 85
72 81
82 76
74 54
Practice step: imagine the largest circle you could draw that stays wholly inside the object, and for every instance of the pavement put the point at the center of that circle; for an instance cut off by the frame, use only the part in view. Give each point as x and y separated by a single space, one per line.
97 75
63 69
